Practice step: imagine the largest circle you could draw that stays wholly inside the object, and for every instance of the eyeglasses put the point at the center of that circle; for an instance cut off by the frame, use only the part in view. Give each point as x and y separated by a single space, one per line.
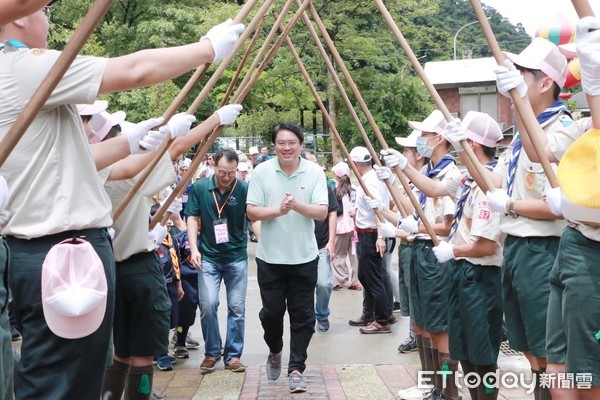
47 11
223 174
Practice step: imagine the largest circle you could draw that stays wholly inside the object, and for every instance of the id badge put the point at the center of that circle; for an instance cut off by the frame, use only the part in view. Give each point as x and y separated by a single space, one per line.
221 233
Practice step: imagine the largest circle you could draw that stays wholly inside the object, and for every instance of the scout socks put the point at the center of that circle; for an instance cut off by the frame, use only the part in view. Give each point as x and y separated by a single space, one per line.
419 340
182 332
114 380
469 368
427 351
449 365
438 379
140 382
487 390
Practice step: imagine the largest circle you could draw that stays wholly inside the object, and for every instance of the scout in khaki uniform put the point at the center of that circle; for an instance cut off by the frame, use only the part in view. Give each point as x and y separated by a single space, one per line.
430 280
56 194
573 327
533 232
475 248
405 256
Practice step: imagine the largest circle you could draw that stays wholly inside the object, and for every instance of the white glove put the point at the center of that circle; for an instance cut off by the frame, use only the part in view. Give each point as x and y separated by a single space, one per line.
497 200
178 125
111 233
158 234
227 114
393 157
454 133
443 252
509 78
152 140
387 229
135 133
409 224
373 203
587 41
3 193
223 37
176 206
384 173
554 201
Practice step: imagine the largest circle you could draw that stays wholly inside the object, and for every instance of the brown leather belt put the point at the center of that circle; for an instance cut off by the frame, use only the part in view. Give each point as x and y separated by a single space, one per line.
366 230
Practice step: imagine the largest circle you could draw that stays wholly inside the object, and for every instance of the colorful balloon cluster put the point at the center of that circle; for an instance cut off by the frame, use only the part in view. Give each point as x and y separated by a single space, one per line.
562 32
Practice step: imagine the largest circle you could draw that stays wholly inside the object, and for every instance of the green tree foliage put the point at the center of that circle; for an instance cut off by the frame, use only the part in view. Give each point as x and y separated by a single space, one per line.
380 69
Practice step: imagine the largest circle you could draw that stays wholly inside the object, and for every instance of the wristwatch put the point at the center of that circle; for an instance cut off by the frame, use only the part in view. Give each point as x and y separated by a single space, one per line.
511 209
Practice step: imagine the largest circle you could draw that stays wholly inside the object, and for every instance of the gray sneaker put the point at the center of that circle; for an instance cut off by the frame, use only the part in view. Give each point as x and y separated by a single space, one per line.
181 352
297 383
409 345
323 325
273 366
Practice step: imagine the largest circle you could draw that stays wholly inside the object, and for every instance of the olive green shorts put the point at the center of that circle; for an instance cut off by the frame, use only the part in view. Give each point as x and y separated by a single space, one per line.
574 309
526 290
142 307
474 313
429 288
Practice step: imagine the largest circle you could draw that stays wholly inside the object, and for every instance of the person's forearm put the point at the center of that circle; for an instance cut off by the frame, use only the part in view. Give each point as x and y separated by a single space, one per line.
391 216
332 226
148 67
439 228
195 135
178 222
493 177
130 166
312 211
255 228
479 248
426 185
259 213
192 229
535 209
110 151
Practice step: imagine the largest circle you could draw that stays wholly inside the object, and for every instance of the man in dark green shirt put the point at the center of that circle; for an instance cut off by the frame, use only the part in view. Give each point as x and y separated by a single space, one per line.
216 211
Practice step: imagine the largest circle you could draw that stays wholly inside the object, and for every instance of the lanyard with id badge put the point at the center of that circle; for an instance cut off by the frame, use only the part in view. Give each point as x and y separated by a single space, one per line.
220 225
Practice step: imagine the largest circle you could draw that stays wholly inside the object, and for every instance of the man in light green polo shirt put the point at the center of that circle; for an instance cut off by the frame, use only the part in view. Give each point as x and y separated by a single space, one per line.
286 194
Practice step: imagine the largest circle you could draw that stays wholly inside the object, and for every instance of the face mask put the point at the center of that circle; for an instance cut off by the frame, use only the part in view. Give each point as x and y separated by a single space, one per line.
422 147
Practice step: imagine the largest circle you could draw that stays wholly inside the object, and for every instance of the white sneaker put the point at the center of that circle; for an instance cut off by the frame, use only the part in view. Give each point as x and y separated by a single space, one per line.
414 392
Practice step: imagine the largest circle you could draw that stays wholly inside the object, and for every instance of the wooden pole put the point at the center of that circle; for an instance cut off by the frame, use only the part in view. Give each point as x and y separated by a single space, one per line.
473 165
201 96
52 79
201 152
583 8
330 122
236 76
393 189
365 109
265 46
525 112
240 95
